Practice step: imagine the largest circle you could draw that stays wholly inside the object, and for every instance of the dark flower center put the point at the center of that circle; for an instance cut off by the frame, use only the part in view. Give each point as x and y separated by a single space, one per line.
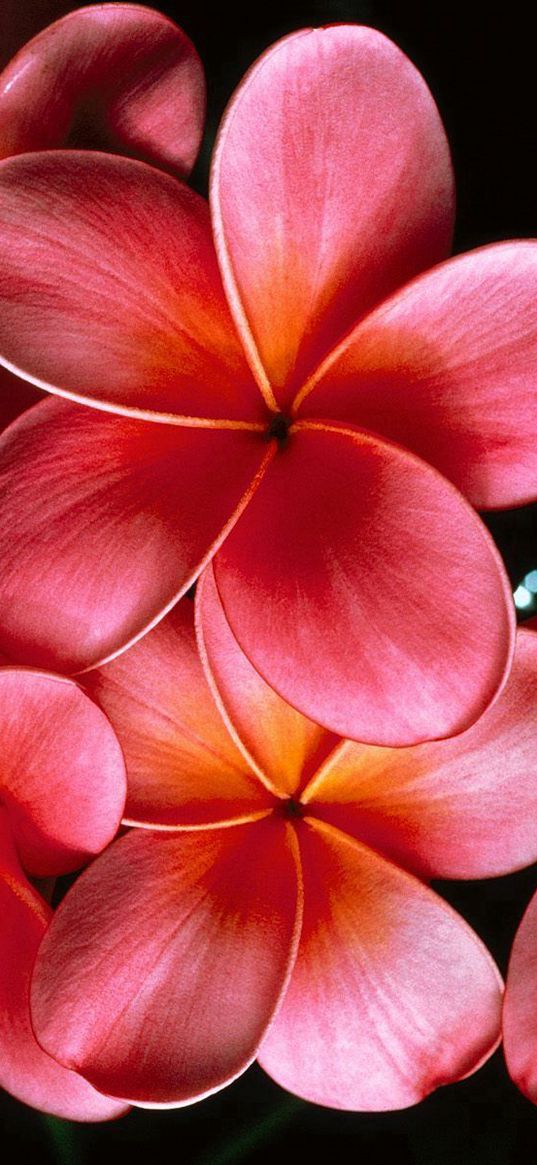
291 808
278 429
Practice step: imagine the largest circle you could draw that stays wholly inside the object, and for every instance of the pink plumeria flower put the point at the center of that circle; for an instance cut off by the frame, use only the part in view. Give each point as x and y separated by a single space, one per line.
271 899
293 399
118 75
62 793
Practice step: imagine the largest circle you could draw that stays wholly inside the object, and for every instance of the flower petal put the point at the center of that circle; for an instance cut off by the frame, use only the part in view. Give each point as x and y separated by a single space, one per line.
520 1013
62 775
447 368
366 591
104 521
331 187
282 743
25 1070
460 808
117 75
183 767
134 316
391 995
166 961
15 396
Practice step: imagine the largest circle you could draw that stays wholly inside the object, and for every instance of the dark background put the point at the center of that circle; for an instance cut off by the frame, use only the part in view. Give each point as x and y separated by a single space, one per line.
479 63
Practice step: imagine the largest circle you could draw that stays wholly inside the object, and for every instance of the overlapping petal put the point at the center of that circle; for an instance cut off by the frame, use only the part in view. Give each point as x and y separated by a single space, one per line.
104 521
520 1011
366 591
331 186
459 808
183 766
175 999
110 290
391 995
25 1070
447 368
63 782
119 76
15 396
283 744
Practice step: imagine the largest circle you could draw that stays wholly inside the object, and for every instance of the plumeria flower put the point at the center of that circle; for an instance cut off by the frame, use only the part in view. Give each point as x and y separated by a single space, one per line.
271 897
119 75
62 793
520 1009
293 399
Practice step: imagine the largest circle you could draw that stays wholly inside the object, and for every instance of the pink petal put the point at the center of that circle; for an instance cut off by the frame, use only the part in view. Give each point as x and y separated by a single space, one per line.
520 1012
110 291
284 745
113 75
460 808
391 995
447 368
366 591
25 1070
332 186
62 775
182 764
166 961
104 521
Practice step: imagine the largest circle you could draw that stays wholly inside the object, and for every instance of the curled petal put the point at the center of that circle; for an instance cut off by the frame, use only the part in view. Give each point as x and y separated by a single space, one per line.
520 1012
25 1069
62 775
110 291
283 744
380 607
104 522
117 76
447 368
459 808
391 995
183 767
166 1005
331 187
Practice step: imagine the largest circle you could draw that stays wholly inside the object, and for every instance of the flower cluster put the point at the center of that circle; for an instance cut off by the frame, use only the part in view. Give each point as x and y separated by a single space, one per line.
293 397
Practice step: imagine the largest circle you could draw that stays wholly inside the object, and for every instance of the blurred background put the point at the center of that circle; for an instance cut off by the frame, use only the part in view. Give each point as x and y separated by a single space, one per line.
479 64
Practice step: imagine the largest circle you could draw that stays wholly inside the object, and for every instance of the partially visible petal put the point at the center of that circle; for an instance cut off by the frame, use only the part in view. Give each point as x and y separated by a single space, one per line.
16 395
19 22
331 186
119 76
366 591
447 368
110 291
104 522
62 775
520 1006
281 742
460 808
183 767
166 961
25 1070
391 995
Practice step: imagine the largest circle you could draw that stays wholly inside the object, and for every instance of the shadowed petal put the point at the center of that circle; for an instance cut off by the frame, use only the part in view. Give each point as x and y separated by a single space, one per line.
183 767
110 291
282 743
25 1070
331 187
391 995
166 961
104 522
379 605
447 368
520 1012
15 396
115 76
62 775
460 808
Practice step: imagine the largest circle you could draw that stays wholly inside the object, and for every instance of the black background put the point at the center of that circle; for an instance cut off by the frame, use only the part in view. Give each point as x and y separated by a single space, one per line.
479 63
